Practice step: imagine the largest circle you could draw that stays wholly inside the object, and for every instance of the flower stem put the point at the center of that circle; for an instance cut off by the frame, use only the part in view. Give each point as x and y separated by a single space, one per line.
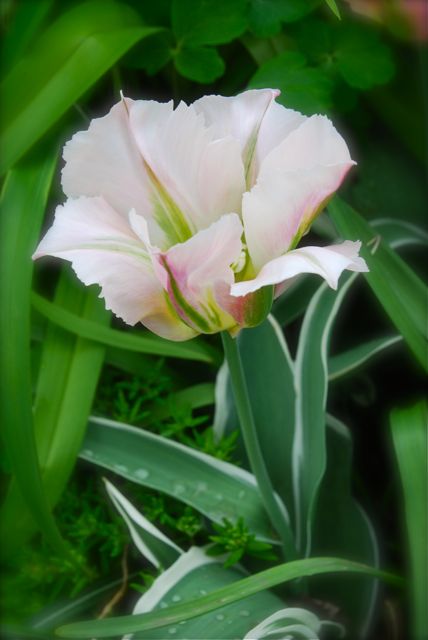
272 505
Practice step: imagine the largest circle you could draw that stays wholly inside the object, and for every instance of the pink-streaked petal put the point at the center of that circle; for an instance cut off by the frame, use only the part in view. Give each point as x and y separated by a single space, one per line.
202 175
296 179
199 274
327 262
104 250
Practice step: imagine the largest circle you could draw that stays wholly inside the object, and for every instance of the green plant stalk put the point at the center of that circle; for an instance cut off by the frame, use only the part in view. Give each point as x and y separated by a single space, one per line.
249 434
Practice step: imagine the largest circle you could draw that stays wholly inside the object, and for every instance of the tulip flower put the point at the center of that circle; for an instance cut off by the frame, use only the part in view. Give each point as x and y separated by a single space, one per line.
189 218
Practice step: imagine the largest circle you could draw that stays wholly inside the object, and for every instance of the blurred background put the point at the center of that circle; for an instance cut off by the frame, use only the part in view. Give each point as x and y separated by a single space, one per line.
362 62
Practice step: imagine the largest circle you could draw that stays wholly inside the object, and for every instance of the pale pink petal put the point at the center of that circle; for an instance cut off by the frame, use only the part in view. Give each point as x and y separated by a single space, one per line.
201 175
105 161
295 180
104 250
327 262
199 274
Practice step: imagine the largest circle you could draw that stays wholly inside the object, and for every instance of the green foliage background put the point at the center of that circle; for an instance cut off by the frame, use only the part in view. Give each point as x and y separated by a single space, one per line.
64 357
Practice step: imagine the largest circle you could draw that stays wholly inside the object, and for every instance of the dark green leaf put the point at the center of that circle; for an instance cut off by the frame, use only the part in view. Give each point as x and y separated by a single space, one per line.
294 302
350 49
23 204
409 429
41 87
311 386
361 58
304 88
152 54
200 22
351 360
333 6
68 375
266 16
269 375
201 64
341 525
216 488
28 17
221 597
132 340
399 290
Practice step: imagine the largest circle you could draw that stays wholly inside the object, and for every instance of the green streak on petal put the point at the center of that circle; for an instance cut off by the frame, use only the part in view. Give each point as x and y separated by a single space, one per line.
307 220
191 313
110 247
258 306
250 149
168 215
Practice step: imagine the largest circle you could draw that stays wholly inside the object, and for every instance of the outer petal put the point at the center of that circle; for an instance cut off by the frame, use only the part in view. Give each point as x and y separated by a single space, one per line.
203 176
295 180
105 161
198 274
103 250
328 262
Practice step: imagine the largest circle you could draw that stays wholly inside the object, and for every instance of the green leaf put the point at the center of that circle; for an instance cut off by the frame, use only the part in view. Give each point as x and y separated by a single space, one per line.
150 542
269 374
409 435
152 54
41 87
195 397
139 342
68 375
398 289
196 573
197 22
311 385
27 19
23 202
390 182
352 50
266 16
221 597
347 362
340 525
201 64
399 233
295 300
334 8
215 488
304 88
362 59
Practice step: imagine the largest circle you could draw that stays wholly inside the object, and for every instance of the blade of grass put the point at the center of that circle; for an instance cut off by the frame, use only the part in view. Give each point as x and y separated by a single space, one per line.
399 290
348 361
23 204
409 429
42 86
69 370
142 343
219 598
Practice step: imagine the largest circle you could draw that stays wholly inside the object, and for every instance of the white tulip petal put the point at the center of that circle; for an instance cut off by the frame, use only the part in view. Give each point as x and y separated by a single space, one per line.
105 161
277 124
296 178
104 250
328 262
240 117
199 274
203 176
